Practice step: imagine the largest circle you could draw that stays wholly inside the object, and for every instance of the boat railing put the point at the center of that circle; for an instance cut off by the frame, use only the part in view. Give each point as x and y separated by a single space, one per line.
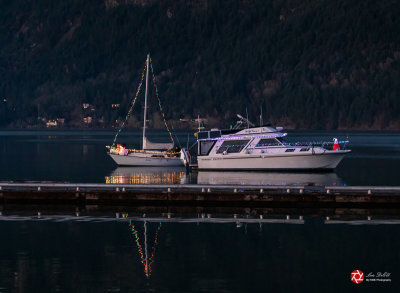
172 153
342 143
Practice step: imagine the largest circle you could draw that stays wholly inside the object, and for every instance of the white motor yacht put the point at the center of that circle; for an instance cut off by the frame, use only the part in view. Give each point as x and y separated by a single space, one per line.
262 148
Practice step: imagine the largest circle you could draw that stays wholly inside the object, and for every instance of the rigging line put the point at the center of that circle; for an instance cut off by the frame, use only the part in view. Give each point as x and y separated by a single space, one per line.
159 102
179 143
132 105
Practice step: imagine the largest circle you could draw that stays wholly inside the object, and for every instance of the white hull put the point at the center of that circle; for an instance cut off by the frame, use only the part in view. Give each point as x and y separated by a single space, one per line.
139 159
284 161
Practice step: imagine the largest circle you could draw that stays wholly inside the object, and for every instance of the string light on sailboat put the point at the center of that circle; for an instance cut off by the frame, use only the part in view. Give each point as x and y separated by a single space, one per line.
132 105
159 102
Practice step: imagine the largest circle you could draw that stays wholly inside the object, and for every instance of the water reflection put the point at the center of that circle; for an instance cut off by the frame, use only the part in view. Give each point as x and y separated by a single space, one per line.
178 175
147 175
268 178
144 256
209 250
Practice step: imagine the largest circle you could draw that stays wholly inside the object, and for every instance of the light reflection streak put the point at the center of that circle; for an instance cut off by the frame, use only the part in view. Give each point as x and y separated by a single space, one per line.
146 175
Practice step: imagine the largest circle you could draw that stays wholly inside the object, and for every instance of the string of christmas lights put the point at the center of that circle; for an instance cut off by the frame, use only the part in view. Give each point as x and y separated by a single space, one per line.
132 105
151 259
159 102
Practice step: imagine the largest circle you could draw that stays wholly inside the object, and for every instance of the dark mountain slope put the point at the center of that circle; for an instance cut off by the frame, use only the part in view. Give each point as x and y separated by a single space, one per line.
307 64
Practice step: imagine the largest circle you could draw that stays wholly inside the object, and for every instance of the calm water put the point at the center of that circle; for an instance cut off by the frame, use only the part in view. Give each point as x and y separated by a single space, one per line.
189 254
80 156
285 251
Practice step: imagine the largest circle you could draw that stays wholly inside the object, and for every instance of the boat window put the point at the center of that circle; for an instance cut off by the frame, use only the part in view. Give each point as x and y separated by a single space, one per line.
202 135
289 150
233 146
214 134
267 142
206 146
304 149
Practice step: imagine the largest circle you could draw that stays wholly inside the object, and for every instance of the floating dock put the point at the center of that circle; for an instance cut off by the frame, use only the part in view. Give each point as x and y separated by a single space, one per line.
198 195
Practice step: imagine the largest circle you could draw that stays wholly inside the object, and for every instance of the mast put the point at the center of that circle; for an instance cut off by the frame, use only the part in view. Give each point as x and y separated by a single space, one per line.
247 119
145 103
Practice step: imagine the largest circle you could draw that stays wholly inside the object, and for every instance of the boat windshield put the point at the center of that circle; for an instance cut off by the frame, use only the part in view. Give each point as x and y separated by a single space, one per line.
281 140
232 146
267 142
205 147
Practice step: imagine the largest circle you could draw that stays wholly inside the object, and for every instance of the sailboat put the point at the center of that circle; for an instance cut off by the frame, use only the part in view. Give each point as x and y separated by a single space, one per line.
151 154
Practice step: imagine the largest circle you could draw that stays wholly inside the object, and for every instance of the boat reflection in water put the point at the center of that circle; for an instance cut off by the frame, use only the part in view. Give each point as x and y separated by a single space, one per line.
268 178
145 258
178 175
146 229
147 175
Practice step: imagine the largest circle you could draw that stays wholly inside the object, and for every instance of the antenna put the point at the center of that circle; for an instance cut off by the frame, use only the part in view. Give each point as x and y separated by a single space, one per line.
242 122
261 120
198 120
247 118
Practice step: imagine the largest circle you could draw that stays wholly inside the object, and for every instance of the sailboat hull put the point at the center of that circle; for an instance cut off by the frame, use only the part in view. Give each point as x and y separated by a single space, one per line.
139 159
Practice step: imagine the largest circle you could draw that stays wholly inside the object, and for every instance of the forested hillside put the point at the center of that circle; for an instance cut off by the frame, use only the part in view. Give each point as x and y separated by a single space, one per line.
306 64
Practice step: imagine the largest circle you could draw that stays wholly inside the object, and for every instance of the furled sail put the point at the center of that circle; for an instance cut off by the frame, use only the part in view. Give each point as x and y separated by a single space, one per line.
148 145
